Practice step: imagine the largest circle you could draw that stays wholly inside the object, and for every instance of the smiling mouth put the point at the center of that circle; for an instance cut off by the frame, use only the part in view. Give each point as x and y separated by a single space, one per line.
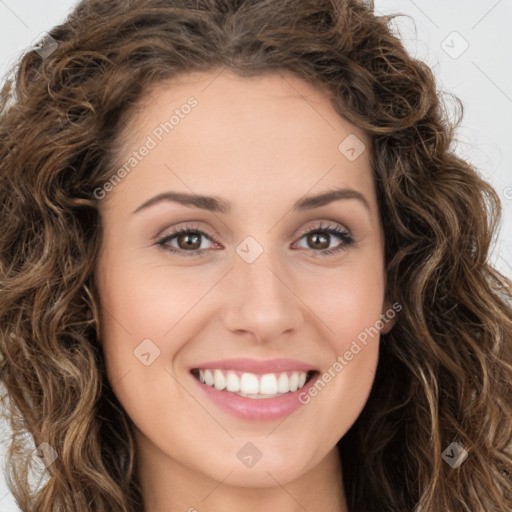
254 385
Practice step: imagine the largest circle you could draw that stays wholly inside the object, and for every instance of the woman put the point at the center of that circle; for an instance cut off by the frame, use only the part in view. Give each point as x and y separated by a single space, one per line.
173 339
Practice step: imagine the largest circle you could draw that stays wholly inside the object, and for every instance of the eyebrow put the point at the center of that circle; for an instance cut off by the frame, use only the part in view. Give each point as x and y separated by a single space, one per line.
216 204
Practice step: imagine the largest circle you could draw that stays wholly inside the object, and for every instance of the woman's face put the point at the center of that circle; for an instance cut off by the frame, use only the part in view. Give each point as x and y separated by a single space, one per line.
254 300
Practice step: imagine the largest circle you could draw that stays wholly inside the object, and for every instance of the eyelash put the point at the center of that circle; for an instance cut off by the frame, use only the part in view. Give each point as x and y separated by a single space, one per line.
329 229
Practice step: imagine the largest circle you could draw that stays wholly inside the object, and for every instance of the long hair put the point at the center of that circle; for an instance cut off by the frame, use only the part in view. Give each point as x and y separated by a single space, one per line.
445 369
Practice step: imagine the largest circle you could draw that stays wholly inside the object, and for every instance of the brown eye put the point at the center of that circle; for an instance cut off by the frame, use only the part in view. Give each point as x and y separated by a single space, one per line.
319 238
321 241
188 241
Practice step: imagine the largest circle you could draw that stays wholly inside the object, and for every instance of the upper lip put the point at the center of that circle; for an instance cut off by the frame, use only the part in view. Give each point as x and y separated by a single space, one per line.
257 365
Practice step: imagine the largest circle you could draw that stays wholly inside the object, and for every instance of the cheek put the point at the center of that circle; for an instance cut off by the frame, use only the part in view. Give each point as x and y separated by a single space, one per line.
147 301
347 300
140 309
349 304
146 318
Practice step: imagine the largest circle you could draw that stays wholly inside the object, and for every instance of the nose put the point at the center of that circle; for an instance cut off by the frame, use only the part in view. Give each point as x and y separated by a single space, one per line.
260 298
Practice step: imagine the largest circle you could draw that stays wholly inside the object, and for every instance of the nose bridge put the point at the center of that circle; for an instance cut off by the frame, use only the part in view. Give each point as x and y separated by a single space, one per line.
261 278
261 300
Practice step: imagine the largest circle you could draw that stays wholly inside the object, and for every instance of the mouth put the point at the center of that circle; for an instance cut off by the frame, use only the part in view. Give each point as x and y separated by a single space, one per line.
256 386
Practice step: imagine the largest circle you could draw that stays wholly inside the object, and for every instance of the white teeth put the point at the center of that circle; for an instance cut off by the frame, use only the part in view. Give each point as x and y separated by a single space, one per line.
219 380
268 384
283 384
294 381
232 382
208 378
251 385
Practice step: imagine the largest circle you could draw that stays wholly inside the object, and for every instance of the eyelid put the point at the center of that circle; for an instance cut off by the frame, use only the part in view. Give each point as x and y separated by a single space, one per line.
333 228
187 226
320 226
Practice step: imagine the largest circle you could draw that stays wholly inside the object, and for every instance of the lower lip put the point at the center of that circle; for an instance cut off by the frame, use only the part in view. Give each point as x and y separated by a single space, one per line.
264 409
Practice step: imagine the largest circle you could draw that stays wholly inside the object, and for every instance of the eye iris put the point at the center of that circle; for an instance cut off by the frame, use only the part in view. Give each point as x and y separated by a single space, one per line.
190 240
194 245
313 237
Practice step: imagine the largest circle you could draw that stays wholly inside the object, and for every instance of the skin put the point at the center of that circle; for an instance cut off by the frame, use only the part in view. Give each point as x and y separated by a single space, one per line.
262 144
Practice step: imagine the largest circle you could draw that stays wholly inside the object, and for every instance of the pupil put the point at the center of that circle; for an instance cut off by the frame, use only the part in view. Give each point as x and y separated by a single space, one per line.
191 244
314 237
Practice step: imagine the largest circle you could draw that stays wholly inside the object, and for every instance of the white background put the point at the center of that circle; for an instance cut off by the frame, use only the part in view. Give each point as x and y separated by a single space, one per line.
481 77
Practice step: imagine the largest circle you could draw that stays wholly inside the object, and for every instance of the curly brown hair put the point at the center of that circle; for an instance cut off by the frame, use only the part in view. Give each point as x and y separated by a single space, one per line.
445 370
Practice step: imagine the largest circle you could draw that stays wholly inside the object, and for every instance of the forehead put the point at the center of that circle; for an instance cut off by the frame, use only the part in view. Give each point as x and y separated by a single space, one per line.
252 133
225 99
